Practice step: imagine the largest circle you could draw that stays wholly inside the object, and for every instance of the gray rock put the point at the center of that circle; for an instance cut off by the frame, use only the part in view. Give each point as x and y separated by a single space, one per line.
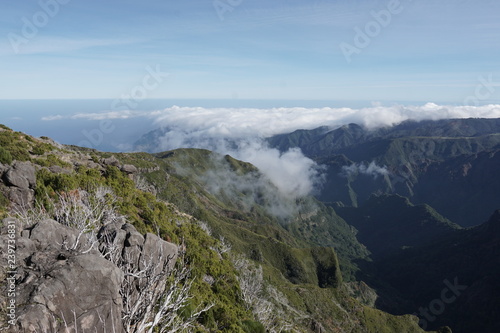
111 161
130 169
49 234
60 290
81 292
154 247
3 168
21 197
55 286
59 169
112 233
21 174
93 165
134 238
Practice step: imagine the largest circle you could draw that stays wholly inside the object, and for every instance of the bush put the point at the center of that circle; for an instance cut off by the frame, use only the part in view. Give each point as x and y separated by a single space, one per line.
253 327
41 148
15 145
5 156
50 160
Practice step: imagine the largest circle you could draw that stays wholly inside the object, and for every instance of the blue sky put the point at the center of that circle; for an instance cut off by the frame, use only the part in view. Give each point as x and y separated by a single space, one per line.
428 51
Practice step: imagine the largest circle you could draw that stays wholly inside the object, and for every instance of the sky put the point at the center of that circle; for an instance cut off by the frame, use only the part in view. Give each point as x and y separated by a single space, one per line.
128 50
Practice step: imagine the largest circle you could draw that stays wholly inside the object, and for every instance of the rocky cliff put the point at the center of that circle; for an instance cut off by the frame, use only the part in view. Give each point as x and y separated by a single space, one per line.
60 287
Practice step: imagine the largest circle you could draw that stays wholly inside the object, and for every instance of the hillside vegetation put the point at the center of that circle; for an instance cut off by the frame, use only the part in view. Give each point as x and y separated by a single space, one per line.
263 262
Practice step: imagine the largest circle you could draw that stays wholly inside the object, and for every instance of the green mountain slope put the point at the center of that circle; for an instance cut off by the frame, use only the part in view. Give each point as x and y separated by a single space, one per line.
209 204
388 223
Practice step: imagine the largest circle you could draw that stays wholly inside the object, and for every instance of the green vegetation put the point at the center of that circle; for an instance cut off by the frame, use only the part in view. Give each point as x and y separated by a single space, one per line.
16 144
305 250
150 215
5 156
4 204
21 147
52 160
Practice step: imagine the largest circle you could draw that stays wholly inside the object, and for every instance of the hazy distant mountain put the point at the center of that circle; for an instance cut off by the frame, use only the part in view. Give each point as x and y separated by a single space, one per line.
452 165
394 205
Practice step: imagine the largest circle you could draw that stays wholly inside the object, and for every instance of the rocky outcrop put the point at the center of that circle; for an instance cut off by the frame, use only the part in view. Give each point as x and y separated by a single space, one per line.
111 161
59 290
136 248
21 174
20 181
129 169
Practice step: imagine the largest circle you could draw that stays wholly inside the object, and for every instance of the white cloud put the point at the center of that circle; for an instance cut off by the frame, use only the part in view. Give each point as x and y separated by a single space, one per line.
244 122
51 118
291 172
107 115
371 169
240 132
98 116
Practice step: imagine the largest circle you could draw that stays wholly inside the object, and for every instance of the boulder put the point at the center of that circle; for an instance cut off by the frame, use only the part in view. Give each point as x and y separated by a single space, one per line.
134 238
111 161
61 290
3 168
58 290
155 248
21 174
58 169
130 169
70 292
58 234
136 248
21 197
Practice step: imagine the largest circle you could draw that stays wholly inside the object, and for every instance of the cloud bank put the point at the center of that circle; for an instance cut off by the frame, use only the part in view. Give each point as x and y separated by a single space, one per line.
240 132
245 122
232 122
371 169
250 190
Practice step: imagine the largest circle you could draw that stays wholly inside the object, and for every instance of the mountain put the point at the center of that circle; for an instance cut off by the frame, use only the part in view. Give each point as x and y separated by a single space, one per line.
388 223
386 241
452 279
249 259
409 190
439 163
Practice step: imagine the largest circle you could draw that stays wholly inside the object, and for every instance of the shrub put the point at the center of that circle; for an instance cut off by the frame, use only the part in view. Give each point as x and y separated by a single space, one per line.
253 327
5 156
41 148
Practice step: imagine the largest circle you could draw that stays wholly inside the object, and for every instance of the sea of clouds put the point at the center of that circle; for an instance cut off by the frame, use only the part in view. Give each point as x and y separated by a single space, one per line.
240 132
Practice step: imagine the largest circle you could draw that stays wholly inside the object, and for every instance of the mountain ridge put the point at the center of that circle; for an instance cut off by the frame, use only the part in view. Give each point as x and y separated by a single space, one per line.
299 282
416 156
